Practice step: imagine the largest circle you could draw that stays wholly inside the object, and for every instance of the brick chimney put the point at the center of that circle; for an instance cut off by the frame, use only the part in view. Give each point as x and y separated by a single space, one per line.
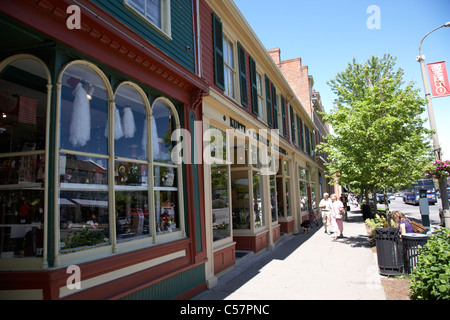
297 77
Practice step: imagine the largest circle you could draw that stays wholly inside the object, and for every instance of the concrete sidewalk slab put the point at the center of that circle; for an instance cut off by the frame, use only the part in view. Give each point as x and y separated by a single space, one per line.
311 266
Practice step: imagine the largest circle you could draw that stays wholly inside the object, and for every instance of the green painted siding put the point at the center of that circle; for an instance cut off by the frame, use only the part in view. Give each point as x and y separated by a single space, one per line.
172 287
180 47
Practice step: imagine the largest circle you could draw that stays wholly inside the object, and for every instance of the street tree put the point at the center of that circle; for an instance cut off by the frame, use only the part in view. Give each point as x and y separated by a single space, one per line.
378 140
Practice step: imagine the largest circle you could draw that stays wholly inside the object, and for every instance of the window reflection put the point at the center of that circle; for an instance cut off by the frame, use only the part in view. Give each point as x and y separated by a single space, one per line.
163 124
166 199
23 114
23 106
84 110
130 132
132 215
258 199
84 219
77 169
240 199
220 201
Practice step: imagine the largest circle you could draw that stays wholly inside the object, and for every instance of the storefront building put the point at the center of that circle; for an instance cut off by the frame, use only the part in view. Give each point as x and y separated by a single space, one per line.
92 204
261 175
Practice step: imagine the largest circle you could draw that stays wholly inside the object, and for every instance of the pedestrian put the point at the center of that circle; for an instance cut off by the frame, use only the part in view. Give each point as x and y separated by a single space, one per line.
337 216
325 208
402 222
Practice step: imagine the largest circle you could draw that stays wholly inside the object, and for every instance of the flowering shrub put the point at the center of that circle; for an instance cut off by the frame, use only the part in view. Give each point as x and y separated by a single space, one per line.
438 169
430 279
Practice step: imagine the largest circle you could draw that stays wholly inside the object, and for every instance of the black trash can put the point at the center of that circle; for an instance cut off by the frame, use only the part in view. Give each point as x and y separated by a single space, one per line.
365 208
389 251
411 250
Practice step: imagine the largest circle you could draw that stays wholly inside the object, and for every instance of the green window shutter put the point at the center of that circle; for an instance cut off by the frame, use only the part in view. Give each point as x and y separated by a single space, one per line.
312 143
292 124
242 75
268 101
275 107
302 143
254 83
283 116
307 138
299 129
219 72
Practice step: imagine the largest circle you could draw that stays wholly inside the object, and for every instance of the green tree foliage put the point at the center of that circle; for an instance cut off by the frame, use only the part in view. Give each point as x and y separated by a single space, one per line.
379 141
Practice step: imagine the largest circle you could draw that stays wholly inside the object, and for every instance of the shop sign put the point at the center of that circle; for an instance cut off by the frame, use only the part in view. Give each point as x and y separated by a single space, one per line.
237 125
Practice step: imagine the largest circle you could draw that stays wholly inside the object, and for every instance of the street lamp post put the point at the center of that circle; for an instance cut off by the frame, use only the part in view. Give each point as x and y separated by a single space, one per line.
436 147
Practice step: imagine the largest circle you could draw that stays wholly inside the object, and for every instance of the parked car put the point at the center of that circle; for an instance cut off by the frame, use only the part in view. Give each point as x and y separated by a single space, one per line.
380 198
391 196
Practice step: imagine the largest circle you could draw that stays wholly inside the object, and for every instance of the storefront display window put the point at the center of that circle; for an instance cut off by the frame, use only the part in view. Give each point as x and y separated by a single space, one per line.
130 131
142 142
167 209
83 159
303 189
273 198
288 187
131 177
132 203
220 201
240 199
23 121
258 199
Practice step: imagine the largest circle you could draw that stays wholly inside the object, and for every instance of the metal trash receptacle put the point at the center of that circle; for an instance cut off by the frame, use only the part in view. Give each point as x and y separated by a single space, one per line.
389 251
411 250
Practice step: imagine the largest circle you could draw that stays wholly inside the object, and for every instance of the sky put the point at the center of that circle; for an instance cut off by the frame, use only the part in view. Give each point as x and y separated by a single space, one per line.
328 34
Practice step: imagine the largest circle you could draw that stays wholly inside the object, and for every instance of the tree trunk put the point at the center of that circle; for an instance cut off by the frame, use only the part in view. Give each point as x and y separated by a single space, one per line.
386 206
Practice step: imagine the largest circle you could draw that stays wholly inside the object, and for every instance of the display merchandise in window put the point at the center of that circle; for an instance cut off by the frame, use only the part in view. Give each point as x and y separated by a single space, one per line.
23 114
220 201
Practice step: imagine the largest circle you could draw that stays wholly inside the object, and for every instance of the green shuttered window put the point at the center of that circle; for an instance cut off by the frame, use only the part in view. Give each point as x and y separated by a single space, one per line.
274 107
254 86
219 75
242 75
268 101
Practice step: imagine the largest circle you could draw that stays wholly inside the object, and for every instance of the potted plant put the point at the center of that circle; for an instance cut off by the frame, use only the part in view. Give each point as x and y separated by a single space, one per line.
438 170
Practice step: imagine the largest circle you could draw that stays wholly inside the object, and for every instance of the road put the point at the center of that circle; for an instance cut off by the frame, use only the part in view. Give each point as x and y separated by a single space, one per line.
412 212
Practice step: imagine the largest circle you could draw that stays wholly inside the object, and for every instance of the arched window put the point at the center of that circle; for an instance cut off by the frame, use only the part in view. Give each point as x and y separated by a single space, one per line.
83 158
131 163
25 88
166 174
114 166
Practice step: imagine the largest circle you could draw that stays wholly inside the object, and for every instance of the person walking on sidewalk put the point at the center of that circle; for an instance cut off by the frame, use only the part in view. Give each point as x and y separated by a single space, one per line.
325 208
337 216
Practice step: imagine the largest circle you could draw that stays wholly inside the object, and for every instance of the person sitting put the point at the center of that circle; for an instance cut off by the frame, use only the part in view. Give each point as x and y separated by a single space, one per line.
402 222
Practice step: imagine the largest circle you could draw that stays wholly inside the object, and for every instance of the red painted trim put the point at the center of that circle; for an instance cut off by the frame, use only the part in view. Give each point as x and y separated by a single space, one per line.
51 280
224 258
276 233
104 43
287 227
252 243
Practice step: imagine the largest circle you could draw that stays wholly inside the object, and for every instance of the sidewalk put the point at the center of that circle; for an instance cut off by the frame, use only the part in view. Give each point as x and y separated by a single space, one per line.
310 266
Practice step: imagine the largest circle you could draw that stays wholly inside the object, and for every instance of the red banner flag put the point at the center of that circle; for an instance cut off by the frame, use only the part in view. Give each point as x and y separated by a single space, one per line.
440 86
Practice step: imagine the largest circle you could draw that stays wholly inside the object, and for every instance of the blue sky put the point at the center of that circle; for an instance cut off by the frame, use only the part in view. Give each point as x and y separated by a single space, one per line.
327 34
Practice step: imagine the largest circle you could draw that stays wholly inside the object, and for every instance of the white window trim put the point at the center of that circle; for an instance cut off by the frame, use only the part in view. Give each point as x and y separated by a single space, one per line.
226 66
166 21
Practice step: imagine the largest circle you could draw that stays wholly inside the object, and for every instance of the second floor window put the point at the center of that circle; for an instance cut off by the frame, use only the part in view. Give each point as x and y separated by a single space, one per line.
157 12
229 68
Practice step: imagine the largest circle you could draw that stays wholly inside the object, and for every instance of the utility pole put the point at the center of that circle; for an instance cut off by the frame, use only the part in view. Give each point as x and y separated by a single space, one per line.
436 147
